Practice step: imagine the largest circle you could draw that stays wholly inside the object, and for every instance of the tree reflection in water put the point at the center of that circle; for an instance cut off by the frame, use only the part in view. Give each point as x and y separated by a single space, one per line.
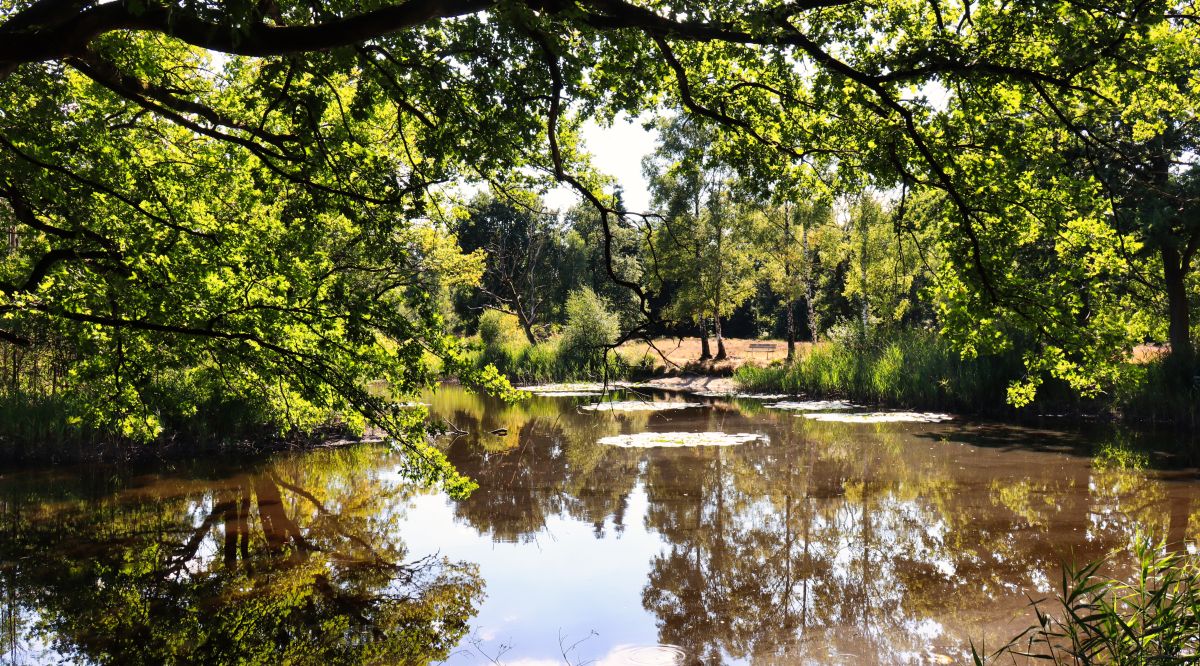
826 543
832 542
297 561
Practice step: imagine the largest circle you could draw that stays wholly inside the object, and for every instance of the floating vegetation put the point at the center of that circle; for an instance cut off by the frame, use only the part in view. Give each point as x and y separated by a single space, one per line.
812 405
575 389
639 406
741 396
650 440
880 417
569 394
641 385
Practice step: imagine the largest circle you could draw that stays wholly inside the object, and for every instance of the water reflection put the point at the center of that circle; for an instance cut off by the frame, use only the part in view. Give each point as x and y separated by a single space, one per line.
818 542
834 542
296 561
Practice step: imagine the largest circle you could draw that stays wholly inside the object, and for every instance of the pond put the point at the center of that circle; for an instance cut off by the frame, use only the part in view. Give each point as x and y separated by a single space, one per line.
798 540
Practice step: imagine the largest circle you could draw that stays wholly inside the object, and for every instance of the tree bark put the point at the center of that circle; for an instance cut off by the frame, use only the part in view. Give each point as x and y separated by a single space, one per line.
808 285
1178 311
863 258
790 303
526 326
791 330
705 351
721 355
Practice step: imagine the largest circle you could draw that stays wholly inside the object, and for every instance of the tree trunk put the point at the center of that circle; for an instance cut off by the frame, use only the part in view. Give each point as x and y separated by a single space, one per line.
526 325
1177 524
791 330
865 313
790 303
705 352
232 531
721 355
808 286
1178 312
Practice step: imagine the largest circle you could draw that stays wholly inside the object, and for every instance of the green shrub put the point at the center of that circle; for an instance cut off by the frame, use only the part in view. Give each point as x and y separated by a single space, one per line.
578 353
1153 392
541 362
496 328
590 329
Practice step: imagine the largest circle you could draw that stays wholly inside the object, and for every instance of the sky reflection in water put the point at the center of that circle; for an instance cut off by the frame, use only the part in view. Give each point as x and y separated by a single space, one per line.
814 543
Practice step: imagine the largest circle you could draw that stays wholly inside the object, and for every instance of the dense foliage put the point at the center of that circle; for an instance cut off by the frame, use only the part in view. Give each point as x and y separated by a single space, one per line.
214 203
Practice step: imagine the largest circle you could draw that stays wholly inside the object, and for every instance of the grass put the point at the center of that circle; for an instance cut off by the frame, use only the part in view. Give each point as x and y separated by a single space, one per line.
41 428
1150 617
548 361
913 370
918 370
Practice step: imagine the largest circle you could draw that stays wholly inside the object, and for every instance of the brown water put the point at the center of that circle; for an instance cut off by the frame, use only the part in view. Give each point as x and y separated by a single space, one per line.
814 543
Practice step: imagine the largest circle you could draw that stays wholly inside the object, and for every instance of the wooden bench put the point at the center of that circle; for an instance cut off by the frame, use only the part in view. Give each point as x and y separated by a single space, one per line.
765 347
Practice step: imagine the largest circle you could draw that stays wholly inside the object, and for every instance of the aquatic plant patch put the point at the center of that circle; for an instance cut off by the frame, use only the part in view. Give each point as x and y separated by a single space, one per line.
639 406
650 440
880 417
573 388
741 396
812 405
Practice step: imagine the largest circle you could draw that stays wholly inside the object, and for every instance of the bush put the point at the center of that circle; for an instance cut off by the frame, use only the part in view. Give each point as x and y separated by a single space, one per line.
1153 392
590 329
496 328
578 353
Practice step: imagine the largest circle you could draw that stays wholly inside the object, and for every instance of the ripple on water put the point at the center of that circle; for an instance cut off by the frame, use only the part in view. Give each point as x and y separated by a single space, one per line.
647 655
649 440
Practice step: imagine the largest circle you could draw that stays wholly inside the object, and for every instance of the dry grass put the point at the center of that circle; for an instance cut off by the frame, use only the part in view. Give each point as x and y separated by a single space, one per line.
1150 353
682 351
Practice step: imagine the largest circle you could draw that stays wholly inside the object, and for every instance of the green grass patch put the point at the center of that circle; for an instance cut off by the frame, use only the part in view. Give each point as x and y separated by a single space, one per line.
915 369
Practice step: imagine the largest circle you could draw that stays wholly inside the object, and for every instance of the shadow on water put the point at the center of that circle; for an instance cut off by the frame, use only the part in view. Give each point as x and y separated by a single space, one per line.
1170 451
292 561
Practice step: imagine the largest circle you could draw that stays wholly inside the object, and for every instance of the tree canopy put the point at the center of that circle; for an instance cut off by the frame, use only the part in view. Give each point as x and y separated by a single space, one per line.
243 199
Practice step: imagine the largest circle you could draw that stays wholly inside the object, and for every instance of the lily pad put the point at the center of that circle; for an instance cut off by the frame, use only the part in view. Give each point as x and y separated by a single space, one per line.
812 405
882 417
639 406
650 440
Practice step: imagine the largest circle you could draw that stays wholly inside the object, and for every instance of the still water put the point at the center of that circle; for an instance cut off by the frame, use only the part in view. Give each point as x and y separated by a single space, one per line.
800 542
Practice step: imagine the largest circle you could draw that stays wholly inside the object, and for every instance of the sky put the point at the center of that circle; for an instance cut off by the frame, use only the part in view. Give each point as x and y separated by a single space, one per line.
617 151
